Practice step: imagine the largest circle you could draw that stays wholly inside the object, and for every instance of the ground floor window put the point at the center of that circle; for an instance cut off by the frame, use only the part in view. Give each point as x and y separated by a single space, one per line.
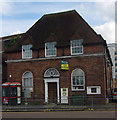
78 80
27 84
93 90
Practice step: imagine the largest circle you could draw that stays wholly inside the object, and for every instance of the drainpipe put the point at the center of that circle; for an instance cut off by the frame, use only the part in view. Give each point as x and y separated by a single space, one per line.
105 68
111 80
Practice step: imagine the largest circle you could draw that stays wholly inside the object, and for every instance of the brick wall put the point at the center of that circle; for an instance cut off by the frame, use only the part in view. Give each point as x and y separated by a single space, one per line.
93 68
86 50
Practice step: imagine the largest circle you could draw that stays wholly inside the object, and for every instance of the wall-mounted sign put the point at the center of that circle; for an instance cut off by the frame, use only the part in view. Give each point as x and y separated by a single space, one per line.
64 65
64 95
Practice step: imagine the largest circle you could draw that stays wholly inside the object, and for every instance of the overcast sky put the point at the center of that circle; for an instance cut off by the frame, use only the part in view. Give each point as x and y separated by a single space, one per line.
18 17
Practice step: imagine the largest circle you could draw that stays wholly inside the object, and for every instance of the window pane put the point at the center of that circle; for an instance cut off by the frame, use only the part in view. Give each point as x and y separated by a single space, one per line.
50 45
73 80
27 47
73 50
77 80
28 82
25 82
81 80
76 42
80 49
73 43
93 90
13 92
27 75
4 92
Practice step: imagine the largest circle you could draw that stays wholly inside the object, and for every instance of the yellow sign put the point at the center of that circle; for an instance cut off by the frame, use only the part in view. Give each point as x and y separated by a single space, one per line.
64 65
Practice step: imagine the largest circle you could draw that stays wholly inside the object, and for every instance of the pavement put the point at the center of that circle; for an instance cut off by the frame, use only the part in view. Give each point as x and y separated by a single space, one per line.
61 114
55 107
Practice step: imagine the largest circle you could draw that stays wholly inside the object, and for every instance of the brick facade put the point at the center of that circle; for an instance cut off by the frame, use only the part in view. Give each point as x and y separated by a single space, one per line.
92 62
93 66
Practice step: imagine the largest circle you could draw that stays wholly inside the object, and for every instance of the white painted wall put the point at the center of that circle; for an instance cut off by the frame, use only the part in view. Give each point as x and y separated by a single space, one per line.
112 50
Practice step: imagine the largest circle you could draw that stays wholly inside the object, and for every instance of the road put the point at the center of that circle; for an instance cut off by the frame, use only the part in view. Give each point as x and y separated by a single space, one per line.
74 114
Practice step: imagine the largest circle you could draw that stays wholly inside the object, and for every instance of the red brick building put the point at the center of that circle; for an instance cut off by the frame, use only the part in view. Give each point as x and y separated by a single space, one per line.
4 41
60 53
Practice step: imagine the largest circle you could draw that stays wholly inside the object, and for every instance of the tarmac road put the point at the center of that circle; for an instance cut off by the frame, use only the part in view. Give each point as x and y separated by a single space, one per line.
74 114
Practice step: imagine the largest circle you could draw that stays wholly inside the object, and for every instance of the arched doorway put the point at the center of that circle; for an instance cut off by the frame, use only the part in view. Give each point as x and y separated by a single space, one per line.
51 80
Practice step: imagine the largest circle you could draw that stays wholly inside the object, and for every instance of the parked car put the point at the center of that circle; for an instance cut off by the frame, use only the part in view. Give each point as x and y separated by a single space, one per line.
114 95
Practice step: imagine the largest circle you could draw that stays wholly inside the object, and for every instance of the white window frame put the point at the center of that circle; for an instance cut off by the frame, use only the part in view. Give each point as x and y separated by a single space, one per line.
23 57
97 87
46 51
76 47
77 85
31 88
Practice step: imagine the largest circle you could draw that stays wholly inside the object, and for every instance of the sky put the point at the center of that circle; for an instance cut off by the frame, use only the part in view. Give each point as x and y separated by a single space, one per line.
17 16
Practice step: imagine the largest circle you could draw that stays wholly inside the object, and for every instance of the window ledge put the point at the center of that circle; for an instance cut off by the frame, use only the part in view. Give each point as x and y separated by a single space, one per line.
27 58
50 56
78 90
76 53
93 93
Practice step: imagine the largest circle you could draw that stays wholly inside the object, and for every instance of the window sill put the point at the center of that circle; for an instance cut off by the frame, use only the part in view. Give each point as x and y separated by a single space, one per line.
27 58
76 53
93 93
78 90
50 56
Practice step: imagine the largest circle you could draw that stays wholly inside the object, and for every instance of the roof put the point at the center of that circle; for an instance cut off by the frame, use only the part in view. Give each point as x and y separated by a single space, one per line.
60 27
10 83
9 37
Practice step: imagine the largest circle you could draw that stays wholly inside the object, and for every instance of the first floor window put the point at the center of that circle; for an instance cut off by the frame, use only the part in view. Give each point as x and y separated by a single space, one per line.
93 90
50 49
26 51
76 47
78 80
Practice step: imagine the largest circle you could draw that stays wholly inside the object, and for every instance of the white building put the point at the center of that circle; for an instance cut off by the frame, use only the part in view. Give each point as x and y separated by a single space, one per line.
113 54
